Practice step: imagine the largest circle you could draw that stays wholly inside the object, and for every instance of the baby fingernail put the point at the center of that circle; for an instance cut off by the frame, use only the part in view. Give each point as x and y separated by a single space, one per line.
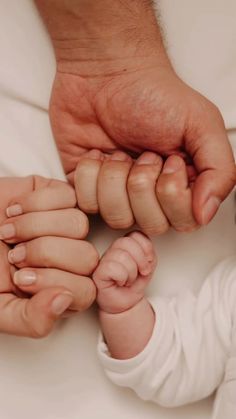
146 271
24 278
17 255
14 210
61 303
7 231
172 165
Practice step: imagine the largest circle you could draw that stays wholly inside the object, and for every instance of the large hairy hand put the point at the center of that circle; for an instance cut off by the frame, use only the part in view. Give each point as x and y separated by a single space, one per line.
142 108
115 89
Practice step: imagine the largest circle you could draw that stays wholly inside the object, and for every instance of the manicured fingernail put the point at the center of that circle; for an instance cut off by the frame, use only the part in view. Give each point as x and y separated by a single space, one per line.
24 278
120 156
61 303
209 209
17 254
149 158
7 231
14 210
172 165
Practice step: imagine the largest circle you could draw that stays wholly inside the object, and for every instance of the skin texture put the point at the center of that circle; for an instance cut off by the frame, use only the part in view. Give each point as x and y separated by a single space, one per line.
126 317
39 281
115 89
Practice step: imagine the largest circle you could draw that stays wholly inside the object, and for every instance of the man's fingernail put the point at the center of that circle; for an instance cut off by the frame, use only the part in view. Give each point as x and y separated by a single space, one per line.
17 254
149 158
120 156
24 278
61 303
172 165
7 231
209 209
95 155
14 210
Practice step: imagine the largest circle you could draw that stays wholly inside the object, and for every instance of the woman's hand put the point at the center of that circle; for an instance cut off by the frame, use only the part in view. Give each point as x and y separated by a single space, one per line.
51 262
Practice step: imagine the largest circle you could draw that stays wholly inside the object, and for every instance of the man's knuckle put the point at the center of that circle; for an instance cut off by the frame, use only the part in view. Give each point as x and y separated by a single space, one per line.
139 182
118 221
166 189
186 226
155 230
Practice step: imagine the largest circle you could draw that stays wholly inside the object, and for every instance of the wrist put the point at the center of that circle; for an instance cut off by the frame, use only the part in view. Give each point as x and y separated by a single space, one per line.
122 312
126 334
93 39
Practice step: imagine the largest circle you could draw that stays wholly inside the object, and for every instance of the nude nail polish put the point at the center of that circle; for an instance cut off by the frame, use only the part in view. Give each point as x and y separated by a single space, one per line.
14 210
24 278
7 231
17 255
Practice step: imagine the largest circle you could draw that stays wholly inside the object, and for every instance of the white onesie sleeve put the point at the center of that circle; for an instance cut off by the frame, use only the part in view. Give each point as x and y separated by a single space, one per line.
185 358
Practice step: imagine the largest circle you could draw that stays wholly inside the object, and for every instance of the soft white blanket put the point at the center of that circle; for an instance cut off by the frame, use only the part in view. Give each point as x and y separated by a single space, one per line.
60 377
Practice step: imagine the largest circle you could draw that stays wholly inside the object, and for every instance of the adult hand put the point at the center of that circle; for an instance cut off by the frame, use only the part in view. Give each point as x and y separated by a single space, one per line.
51 278
119 91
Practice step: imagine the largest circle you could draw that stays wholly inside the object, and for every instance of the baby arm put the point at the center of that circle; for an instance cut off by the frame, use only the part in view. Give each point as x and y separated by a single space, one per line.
181 356
127 319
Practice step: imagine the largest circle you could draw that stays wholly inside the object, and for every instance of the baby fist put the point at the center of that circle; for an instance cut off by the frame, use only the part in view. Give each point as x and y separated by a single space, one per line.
124 272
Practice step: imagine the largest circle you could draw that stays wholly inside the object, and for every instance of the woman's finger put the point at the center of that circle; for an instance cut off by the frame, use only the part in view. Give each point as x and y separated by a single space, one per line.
113 198
175 195
141 188
70 223
33 317
33 280
47 195
76 256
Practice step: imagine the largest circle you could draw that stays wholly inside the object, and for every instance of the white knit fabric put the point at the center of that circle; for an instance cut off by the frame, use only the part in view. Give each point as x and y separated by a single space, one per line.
192 349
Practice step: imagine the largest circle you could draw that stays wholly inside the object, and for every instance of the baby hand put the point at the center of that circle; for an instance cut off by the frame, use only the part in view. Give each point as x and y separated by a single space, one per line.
124 272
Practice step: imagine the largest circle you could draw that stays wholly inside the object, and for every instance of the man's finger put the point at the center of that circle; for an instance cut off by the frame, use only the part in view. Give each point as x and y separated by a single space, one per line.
175 196
86 179
214 161
113 199
141 187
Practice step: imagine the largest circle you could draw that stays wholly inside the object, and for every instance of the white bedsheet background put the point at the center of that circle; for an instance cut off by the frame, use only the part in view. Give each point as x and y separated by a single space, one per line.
59 377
